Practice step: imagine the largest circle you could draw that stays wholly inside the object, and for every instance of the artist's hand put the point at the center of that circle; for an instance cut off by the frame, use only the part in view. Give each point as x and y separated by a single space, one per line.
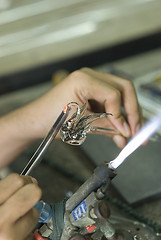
105 92
18 195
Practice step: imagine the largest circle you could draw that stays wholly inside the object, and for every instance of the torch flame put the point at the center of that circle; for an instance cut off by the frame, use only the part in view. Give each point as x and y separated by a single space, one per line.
144 134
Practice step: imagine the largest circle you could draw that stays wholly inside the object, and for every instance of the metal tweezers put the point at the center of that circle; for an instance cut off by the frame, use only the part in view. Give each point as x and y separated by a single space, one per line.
41 150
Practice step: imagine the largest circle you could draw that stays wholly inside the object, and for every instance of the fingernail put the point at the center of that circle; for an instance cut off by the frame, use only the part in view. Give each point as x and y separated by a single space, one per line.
34 180
120 141
127 129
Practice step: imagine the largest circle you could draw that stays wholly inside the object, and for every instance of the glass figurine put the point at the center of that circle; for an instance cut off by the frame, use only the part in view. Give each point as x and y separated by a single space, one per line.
75 129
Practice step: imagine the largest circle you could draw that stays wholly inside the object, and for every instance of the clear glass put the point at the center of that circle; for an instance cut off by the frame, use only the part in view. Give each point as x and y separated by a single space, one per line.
74 130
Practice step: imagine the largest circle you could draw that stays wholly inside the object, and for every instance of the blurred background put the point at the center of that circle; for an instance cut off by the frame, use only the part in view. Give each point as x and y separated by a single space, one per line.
38 38
43 41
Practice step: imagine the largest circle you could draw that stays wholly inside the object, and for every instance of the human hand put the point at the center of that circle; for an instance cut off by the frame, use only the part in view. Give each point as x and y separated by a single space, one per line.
105 93
18 195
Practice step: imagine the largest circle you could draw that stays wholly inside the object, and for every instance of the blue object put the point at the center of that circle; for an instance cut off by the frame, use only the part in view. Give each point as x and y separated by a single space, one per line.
44 210
79 211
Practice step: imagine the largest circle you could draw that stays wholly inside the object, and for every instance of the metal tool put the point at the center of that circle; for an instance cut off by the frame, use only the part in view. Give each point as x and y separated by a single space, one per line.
38 155
42 207
85 202
87 213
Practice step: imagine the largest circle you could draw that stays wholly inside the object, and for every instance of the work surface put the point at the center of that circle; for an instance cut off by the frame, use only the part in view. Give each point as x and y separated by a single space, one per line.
65 167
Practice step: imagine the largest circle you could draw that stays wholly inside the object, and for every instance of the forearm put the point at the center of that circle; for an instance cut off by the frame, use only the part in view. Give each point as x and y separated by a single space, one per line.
15 135
109 93
22 127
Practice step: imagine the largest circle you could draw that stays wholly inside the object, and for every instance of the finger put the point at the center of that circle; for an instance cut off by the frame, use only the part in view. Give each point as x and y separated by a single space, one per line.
129 97
28 179
130 103
21 202
111 98
120 141
114 134
113 105
11 184
105 124
25 225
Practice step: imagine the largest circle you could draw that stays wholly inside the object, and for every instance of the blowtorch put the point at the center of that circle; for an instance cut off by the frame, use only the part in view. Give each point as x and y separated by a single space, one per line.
87 213
77 207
